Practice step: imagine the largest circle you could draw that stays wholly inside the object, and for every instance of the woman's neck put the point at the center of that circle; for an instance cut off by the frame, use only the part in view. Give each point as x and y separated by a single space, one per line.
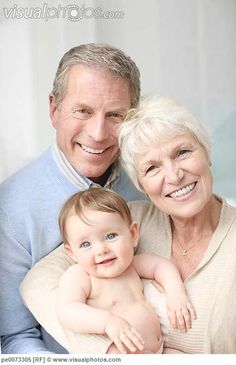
191 237
202 224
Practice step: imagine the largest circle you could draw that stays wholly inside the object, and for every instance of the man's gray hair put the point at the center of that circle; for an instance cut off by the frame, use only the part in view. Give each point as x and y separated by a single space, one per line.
102 57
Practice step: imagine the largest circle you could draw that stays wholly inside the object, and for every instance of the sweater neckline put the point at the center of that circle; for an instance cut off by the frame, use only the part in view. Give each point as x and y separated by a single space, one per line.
225 222
79 181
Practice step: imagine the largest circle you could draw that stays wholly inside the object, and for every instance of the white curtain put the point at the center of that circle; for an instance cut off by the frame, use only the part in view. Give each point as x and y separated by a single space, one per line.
185 49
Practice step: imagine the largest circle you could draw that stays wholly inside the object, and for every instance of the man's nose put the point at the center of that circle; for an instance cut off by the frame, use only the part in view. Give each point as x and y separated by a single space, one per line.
98 128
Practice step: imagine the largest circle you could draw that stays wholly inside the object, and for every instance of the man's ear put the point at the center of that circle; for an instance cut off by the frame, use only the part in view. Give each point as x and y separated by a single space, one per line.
134 233
53 110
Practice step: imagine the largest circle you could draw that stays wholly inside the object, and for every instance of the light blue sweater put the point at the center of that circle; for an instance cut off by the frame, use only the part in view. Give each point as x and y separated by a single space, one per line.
30 201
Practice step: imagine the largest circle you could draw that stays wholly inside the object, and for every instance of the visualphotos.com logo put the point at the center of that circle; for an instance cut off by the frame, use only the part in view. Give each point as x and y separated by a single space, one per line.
71 12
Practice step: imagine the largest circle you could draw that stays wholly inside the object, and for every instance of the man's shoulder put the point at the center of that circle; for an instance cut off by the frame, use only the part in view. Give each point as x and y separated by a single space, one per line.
25 183
28 175
125 187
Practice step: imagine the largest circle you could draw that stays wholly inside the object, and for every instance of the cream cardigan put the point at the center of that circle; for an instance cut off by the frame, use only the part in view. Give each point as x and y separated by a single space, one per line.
211 287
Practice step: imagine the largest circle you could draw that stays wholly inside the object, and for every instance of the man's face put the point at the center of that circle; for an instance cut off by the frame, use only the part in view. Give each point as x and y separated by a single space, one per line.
93 106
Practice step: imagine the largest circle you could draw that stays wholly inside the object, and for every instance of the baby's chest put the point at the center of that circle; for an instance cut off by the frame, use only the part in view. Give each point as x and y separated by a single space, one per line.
111 293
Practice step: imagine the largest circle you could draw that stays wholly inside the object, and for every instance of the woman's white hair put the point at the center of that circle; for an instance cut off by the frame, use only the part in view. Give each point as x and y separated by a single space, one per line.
155 120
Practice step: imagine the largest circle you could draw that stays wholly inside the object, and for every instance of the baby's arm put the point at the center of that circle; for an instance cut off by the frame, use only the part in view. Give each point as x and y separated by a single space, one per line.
179 307
75 315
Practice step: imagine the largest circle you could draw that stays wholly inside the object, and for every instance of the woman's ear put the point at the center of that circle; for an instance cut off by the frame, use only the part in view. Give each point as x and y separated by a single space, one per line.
134 230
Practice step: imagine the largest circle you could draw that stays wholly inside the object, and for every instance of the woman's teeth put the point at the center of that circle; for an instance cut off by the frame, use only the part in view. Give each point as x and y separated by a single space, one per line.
184 191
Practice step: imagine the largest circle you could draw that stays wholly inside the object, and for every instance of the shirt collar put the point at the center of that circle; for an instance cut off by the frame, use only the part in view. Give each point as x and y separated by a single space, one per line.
80 181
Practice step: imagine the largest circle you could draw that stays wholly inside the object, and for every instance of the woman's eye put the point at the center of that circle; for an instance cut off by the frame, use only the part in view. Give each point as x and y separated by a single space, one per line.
111 236
150 169
183 152
85 244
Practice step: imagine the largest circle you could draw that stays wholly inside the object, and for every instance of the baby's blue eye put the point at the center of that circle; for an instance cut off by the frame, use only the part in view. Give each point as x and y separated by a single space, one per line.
85 244
111 236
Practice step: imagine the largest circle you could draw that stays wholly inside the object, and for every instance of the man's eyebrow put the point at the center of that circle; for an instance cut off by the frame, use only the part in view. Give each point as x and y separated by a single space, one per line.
81 105
117 109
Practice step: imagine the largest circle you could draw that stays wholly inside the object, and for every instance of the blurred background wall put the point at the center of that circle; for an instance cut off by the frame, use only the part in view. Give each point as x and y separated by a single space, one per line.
185 49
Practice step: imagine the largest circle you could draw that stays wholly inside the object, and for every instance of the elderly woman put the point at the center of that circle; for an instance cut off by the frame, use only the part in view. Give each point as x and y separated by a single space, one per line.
166 153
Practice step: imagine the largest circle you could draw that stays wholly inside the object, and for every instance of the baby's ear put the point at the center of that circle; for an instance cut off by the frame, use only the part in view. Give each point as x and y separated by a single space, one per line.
134 230
69 251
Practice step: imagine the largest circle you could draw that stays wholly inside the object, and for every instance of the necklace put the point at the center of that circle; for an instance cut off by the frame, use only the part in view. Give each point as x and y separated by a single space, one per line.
185 250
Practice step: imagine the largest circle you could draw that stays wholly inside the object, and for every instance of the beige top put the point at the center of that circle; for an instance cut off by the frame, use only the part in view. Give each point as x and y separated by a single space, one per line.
211 287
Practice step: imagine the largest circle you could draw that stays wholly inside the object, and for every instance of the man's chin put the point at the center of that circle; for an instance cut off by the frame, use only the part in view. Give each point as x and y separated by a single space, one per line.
94 170
95 174
101 176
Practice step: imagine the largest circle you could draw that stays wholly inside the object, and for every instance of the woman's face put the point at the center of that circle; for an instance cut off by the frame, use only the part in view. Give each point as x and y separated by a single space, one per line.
176 176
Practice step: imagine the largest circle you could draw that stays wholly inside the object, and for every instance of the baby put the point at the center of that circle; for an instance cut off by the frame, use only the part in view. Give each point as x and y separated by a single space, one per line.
103 293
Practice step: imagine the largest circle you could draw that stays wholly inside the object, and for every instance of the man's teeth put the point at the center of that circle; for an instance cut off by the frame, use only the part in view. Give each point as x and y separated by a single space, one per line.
183 191
91 150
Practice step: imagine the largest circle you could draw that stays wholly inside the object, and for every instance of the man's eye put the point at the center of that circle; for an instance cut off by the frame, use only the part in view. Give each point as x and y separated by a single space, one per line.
115 115
85 244
82 113
111 236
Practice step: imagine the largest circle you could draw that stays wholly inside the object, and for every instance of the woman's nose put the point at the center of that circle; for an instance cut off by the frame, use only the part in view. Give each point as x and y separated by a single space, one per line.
173 173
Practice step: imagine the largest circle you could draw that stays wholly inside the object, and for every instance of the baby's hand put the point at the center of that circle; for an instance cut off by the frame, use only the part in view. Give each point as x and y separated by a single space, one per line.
180 312
123 335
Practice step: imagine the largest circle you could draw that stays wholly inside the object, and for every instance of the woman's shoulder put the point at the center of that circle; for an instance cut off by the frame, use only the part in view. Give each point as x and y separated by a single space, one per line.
148 216
230 207
144 210
228 212
154 228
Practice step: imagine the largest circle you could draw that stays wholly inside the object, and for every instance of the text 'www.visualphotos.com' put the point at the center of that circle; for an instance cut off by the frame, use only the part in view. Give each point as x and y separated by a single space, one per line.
71 12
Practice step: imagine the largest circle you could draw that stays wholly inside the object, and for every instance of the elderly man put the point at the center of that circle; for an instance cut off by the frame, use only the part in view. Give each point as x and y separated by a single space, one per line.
94 87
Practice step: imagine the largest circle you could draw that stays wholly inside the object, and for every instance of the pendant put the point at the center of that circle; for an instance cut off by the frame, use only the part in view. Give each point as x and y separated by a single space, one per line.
184 252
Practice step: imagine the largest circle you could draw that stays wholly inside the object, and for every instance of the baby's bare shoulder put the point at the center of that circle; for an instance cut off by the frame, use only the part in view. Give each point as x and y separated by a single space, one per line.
74 271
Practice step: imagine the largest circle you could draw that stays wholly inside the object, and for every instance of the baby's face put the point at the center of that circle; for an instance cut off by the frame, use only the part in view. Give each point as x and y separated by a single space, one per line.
105 246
